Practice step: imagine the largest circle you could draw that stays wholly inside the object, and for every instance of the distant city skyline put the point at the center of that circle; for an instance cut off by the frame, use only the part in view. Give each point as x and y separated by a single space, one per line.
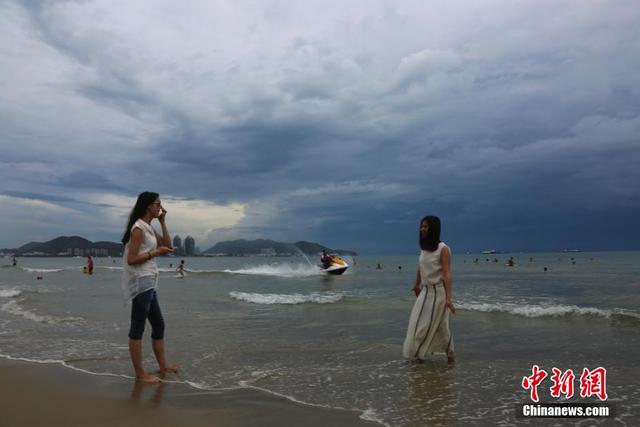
177 245
189 247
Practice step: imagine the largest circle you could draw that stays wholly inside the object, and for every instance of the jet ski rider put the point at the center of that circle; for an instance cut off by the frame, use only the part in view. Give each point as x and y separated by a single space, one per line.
326 259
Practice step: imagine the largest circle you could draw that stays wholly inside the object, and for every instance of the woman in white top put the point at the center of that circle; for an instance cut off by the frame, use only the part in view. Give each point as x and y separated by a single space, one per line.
428 330
140 278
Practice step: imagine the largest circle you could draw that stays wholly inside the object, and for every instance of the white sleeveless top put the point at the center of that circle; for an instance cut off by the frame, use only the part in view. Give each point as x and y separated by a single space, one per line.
139 278
430 266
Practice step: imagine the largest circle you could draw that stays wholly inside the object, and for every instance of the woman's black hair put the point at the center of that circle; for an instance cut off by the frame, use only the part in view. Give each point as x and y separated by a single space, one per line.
139 210
430 243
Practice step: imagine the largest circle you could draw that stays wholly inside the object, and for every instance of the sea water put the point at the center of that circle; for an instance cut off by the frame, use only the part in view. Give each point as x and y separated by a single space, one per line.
282 326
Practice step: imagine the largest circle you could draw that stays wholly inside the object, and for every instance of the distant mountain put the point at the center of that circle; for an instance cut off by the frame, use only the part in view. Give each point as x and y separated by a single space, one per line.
268 247
79 246
68 246
28 247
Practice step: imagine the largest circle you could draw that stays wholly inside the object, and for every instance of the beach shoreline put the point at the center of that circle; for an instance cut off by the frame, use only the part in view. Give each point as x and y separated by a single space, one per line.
36 394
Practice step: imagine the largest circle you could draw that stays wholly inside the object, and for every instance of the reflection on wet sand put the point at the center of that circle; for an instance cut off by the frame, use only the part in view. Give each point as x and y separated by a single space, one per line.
156 392
431 393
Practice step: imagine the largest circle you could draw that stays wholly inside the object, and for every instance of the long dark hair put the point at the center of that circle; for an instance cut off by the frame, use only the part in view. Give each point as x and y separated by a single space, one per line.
139 210
430 243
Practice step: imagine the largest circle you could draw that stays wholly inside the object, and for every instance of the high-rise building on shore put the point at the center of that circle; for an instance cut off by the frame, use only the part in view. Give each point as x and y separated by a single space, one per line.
177 245
189 245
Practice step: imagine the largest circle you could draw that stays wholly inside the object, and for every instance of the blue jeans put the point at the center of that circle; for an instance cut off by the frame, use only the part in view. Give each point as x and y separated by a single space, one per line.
146 306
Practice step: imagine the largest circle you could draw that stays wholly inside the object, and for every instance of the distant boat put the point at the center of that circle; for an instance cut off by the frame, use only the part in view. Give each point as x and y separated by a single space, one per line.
492 251
571 250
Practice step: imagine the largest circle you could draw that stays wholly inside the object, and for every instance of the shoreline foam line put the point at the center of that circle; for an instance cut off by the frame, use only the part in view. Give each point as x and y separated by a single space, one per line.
63 364
364 414
111 374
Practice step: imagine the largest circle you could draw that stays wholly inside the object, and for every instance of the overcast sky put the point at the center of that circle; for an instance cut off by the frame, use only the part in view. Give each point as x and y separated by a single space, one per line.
341 122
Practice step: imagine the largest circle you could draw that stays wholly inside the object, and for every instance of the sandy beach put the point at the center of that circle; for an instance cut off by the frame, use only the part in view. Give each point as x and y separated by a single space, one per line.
43 394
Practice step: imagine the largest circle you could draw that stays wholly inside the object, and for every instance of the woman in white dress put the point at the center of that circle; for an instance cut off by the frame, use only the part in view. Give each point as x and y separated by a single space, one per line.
428 331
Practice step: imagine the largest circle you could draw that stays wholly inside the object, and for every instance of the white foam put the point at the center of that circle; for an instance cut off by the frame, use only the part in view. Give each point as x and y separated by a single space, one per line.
12 307
529 310
63 363
108 374
286 298
196 271
244 384
370 415
41 270
9 293
281 270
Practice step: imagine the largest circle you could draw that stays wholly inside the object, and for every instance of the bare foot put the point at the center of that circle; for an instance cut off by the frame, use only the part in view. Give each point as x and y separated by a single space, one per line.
170 369
148 379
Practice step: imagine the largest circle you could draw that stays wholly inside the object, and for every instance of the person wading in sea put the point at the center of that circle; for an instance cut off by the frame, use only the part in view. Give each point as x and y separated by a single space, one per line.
140 278
428 329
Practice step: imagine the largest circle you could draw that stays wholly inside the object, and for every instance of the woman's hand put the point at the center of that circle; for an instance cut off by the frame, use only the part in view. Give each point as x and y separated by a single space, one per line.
416 290
163 250
163 214
450 306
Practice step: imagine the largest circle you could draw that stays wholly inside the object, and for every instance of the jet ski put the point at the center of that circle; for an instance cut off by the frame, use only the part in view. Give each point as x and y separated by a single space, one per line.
336 266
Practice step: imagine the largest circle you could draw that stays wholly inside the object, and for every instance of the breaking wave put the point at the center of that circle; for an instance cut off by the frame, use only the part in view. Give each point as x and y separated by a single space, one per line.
370 415
12 307
42 270
9 293
529 310
286 298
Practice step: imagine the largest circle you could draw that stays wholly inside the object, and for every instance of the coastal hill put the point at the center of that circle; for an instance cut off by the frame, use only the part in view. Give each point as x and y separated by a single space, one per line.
79 246
268 247
67 246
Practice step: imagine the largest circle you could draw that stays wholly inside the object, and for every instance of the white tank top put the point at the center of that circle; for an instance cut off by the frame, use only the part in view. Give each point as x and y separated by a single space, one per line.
430 266
131 274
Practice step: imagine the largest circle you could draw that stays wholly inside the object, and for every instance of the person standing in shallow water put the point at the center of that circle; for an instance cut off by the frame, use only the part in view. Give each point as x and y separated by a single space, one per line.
140 278
428 330
89 265
180 269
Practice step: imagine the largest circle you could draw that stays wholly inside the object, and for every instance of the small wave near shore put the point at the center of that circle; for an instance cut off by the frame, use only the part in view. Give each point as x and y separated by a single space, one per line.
558 310
9 293
44 270
290 299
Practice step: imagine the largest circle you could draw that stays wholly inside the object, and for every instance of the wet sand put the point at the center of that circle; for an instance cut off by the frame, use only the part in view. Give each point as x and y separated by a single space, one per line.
52 395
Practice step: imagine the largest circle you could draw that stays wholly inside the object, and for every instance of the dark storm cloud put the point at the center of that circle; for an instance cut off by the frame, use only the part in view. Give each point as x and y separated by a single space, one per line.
519 130
38 196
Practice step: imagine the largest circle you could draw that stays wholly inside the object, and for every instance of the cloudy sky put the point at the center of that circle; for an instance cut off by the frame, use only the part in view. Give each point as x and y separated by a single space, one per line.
342 122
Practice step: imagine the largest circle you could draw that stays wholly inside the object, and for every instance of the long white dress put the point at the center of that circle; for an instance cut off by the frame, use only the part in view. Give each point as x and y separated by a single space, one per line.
428 329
